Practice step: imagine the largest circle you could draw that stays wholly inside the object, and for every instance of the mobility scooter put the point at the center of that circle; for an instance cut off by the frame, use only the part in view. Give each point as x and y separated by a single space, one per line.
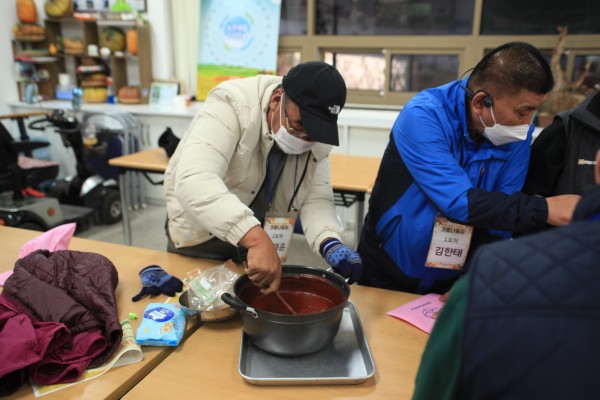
88 187
20 204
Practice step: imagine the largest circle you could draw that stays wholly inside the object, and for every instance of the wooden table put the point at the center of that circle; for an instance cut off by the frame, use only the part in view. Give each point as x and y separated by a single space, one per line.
153 160
20 116
351 178
128 261
148 161
206 365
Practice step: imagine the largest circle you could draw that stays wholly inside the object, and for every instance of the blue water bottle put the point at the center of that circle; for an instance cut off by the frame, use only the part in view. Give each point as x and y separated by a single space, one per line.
77 98
30 93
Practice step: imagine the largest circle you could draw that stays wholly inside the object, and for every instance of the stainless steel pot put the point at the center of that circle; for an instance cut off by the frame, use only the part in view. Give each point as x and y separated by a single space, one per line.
219 314
319 298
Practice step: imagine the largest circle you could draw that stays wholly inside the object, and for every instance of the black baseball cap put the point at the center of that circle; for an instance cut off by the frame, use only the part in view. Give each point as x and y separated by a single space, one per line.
320 92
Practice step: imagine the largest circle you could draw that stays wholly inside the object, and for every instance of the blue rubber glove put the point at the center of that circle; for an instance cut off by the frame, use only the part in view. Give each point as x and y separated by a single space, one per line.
157 281
342 259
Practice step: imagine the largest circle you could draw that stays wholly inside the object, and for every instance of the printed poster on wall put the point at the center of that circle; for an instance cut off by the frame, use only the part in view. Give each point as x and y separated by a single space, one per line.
238 39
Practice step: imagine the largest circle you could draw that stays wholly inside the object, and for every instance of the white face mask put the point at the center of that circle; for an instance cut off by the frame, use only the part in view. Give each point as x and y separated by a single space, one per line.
500 134
287 142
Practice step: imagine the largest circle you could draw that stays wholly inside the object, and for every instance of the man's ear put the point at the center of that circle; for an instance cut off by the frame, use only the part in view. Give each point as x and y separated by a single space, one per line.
477 102
598 167
275 99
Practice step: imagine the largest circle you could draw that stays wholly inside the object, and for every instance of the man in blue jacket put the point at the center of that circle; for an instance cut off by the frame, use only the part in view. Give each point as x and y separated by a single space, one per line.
451 175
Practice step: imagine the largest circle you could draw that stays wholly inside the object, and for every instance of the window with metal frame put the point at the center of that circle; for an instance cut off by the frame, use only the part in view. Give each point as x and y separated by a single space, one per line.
388 50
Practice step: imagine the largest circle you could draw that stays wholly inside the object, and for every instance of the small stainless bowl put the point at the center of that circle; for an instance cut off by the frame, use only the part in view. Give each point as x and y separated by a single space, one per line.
222 313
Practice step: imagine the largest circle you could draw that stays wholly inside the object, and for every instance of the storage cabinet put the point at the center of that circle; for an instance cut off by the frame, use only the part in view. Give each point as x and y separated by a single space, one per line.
121 65
73 37
34 64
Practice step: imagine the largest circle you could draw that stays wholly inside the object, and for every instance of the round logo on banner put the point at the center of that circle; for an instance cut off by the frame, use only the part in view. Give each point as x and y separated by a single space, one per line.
237 32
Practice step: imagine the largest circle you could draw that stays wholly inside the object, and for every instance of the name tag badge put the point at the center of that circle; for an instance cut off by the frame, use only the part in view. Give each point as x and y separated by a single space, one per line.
449 244
280 227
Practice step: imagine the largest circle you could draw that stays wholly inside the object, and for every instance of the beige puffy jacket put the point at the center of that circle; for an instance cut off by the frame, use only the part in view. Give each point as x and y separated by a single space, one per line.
220 164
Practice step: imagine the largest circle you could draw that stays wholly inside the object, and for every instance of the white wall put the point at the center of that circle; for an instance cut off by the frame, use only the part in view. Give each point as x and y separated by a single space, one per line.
161 37
158 15
8 17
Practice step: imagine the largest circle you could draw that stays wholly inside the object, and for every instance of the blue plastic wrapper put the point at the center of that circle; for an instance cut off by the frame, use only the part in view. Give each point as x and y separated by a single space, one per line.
162 325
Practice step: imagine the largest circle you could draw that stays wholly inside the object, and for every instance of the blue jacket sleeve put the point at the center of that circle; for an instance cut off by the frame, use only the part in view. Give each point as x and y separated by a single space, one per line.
507 208
425 150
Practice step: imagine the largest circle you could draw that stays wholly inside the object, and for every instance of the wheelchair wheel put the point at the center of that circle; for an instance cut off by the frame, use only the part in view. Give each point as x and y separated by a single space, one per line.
110 208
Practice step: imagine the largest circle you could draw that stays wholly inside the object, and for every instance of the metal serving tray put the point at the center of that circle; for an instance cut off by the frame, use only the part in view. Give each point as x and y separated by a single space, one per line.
346 360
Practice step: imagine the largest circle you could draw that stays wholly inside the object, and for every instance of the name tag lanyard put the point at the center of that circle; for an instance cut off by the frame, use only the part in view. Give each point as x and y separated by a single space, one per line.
291 205
280 225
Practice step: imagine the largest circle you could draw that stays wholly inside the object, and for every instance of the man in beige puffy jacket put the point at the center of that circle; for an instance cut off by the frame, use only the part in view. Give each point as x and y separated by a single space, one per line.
259 145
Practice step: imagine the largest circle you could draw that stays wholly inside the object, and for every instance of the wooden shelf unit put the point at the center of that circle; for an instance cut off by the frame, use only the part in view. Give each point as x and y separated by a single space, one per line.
45 87
118 64
90 33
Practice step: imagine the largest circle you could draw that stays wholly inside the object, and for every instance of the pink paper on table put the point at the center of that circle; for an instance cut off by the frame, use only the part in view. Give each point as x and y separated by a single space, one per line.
421 312
55 239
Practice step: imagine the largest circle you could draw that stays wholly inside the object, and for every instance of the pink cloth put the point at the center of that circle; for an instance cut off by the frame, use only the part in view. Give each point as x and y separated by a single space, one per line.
4 276
57 238
29 163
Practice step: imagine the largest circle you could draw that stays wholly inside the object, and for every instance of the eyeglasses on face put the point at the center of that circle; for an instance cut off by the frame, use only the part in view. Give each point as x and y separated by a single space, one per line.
301 134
